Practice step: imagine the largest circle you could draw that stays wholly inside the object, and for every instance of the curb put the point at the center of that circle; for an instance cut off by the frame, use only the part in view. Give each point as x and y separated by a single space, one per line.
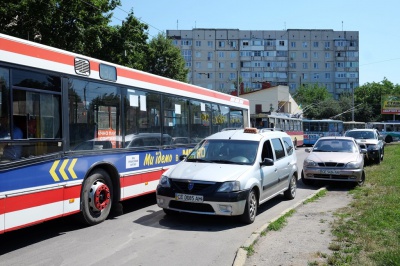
241 254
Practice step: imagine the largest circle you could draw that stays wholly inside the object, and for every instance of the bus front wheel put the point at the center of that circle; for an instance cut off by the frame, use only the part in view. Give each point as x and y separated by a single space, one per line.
96 197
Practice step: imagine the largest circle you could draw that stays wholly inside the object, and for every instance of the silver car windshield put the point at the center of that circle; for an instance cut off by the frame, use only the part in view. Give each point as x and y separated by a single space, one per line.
335 146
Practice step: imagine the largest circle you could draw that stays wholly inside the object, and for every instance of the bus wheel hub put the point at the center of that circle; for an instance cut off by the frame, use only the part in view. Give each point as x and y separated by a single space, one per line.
99 196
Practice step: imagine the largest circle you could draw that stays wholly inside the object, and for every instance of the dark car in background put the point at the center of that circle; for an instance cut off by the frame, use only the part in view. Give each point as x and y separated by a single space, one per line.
372 139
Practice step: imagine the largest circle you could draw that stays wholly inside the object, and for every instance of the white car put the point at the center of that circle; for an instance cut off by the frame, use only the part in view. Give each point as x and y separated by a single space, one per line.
230 173
373 141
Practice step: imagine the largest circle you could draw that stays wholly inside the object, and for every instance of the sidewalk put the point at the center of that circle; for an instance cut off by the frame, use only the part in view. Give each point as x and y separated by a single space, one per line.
304 239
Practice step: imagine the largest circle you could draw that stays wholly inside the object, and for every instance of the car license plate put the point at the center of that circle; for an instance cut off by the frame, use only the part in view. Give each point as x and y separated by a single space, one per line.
188 198
329 172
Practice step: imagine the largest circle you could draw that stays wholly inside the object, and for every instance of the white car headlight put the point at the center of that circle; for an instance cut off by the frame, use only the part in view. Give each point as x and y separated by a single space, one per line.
164 181
309 163
230 186
353 165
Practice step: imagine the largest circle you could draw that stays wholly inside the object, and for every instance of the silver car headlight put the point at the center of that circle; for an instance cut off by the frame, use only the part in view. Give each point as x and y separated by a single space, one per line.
353 165
309 163
230 186
164 181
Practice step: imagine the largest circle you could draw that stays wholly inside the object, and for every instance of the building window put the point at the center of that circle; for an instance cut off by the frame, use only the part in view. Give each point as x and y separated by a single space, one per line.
305 65
293 75
245 43
316 76
221 44
315 54
327 55
210 55
198 54
281 43
221 75
305 76
315 44
315 65
258 108
327 75
339 64
232 75
221 65
270 43
186 42
293 65
233 54
292 55
198 43
210 43
352 43
327 65
257 53
221 54
327 45
305 44
187 55
305 55
209 65
198 65
232 44
340 43
293 44
233 65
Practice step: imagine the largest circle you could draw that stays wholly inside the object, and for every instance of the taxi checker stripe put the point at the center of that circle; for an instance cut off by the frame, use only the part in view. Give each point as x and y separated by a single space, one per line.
62 170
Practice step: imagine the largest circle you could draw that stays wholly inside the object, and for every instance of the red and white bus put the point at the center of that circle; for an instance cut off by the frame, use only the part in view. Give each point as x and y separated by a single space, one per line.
78 135
291 124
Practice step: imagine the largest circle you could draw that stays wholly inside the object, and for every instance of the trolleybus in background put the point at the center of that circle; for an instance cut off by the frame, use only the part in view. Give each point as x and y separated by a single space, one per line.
348 125
78 135
292 125
314 129
389 129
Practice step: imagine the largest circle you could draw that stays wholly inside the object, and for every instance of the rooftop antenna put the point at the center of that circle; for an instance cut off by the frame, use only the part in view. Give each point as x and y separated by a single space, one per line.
177 25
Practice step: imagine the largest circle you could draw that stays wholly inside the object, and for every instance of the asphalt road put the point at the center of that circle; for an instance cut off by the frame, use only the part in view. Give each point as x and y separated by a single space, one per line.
143 235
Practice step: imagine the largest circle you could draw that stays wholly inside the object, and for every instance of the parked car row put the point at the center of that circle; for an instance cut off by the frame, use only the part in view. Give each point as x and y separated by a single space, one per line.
232 172
343 158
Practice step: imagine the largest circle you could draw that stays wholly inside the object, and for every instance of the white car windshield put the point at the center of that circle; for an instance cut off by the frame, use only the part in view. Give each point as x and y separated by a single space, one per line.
225 151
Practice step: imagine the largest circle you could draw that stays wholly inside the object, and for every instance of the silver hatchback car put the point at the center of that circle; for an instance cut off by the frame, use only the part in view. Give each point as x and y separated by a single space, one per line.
334 159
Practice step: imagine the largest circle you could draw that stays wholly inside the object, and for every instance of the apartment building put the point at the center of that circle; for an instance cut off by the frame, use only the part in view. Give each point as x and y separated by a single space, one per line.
220 58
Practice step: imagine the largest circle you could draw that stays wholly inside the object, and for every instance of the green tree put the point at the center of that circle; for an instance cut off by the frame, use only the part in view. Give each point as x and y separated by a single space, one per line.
127 44
311 98
165 59
72 25
369 95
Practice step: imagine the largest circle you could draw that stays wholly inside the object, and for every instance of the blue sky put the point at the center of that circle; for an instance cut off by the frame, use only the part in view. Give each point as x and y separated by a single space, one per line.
378 23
